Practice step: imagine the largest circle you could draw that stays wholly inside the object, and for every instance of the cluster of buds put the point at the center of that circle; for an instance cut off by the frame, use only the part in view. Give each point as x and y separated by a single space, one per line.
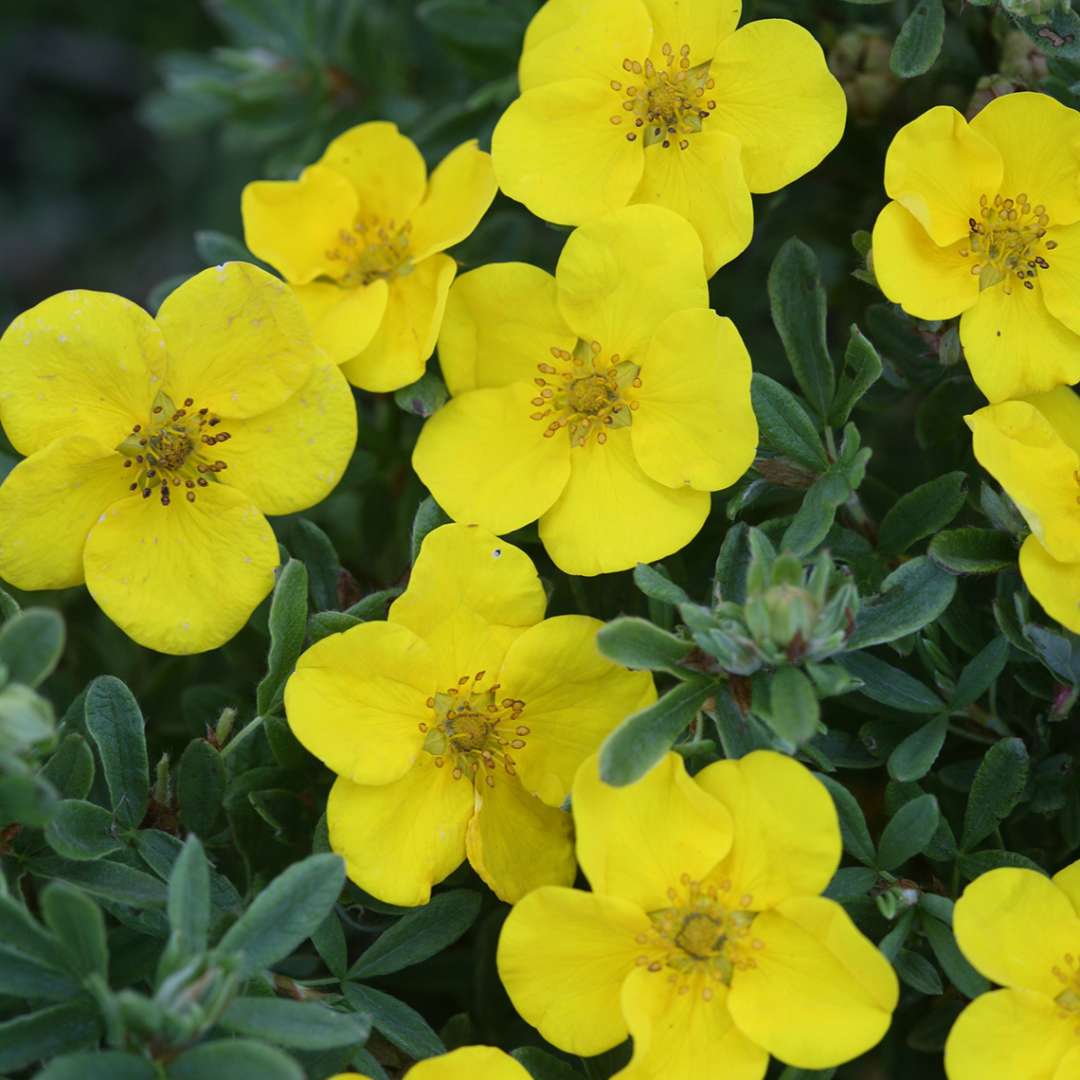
860 61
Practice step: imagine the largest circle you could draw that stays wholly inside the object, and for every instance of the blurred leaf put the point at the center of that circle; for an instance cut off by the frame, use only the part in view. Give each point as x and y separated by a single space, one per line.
429 515
215 248
477 24
71 769
295 1024
960 973
237 1059
188 898
79 927
309 544
31 643
288 625
40 1035
116 725
542 1065
424 397
918 973
99 1065
919 42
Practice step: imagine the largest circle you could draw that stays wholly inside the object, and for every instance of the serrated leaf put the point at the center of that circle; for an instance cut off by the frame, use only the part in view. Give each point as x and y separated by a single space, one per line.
116 725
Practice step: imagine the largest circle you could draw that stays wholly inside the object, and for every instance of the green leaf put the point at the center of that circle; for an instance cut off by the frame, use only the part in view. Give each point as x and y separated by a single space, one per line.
20 930
913 757
116 725
851 883
792 1072
99 1065
188 902
794 710
215 247
31 644
374 605
288 623
26 800
71 769
424 397
658 586
953 962
912 596
786 428
309 544
24 976
637 643
644 737
890 686
980 673
856 835
429 516
862 368
982 862
200 786
732 565
296 1024
908 832
286 912
1054 29
160 851
797 302
922 512
919 42
419 935
40 1035
475 24
82 830
79 927
541 1065
996 789
918 973
395 1021
329 942
973 551
104 878
237 1059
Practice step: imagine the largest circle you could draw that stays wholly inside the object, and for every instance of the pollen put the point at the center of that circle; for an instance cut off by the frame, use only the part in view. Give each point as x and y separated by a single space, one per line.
372 250
1006 241
668 101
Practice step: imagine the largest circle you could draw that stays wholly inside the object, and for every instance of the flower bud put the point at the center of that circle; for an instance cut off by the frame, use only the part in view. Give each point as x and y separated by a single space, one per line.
860 62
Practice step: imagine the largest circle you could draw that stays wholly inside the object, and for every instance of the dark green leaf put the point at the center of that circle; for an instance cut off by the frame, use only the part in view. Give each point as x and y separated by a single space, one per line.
919 42
474 24
862 368
295 1024
424 397
237 1059
41 1035
374 605
18 928
980 673
541 1065
997 788
99 1065
215 248
732 564
815 516
972 551
786 428
79 927
160 852
429 515
31 644
953 962
71 769
23 976
794 710
908 832
851 883
853 828
188 903
912 596
104 878
890 686
116 725
913 757
329 942
981 862
922 512
396 1021
200 786
637 643
918 973
82 830
288 623
309 544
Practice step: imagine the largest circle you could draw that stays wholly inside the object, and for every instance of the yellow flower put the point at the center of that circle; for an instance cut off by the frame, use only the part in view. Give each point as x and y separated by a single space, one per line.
704 936
607 401
360 237
155 446
455 726
465 1063
985 224
664 101
1021 930
1032 448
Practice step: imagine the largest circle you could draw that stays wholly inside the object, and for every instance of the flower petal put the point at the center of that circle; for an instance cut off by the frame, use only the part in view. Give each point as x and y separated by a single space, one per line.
292 457
399 839
1008 1033
612 516
181 578
927 281
563 955
1061 407
383 166
1056 585
501 321
48 504
938 167
357 701
1060 285
459 192
398 353
296 225
702 26
556 150
1015 926
1039 142
1068 881
238 341
677 1032
515 842
696 425
487 462
343 320
469 1063
470 595
787 837
1069 1066
818 993
79 361
574 697
639 841
776 95
553 17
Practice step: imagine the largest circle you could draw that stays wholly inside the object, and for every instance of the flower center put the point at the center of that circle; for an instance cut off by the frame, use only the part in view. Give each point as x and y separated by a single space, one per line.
1069 998
372 250
666 101
171 451
474 729
586 394
1006 241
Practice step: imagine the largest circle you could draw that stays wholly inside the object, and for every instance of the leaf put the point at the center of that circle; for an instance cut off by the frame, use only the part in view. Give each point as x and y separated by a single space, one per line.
972 551
912 596
395 1021
116 725
99 1065
237 1059
288 623
160 852
982 862
419 935
188 902
31 644
732 566
104 878
24 976
918 973
922 512
429 516
913 758
298 1025
890 686
637 643
21 931
908 832
785 426
374 605
794 710
861 359
816 514
919 42
79 927
980 673
329 942
953 962
309 544
856 835
71 769
542 1065
200 786
658 586
851 883
82 830
424 397
215 247
474 24
996 789
40 1035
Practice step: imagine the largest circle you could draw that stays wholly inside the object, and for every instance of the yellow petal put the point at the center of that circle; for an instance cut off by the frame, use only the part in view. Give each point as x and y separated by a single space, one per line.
612 516
700 25
563 956
776 95
459 192
181 578
383 166
486 461
1039 142
695 425
938 167
787 837
470 595
818 993
1068 881
553 17
557 151
1061 283
639 841
515 842
78 362
927 281
501 321
357 700
296 225
343 320
48 504
469 1063
574 696
1069 1066
238 341
1008 1033
1015 926
620 277
292 457
1014 346
1061 407
406 336
677 1032
1056 585
399 839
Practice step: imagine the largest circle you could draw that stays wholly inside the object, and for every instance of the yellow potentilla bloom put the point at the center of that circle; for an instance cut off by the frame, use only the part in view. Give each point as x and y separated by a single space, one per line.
665 102
456 725
704 937
465 1063
155 446
1021 930
1032 448
985 224
360 237
608 401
